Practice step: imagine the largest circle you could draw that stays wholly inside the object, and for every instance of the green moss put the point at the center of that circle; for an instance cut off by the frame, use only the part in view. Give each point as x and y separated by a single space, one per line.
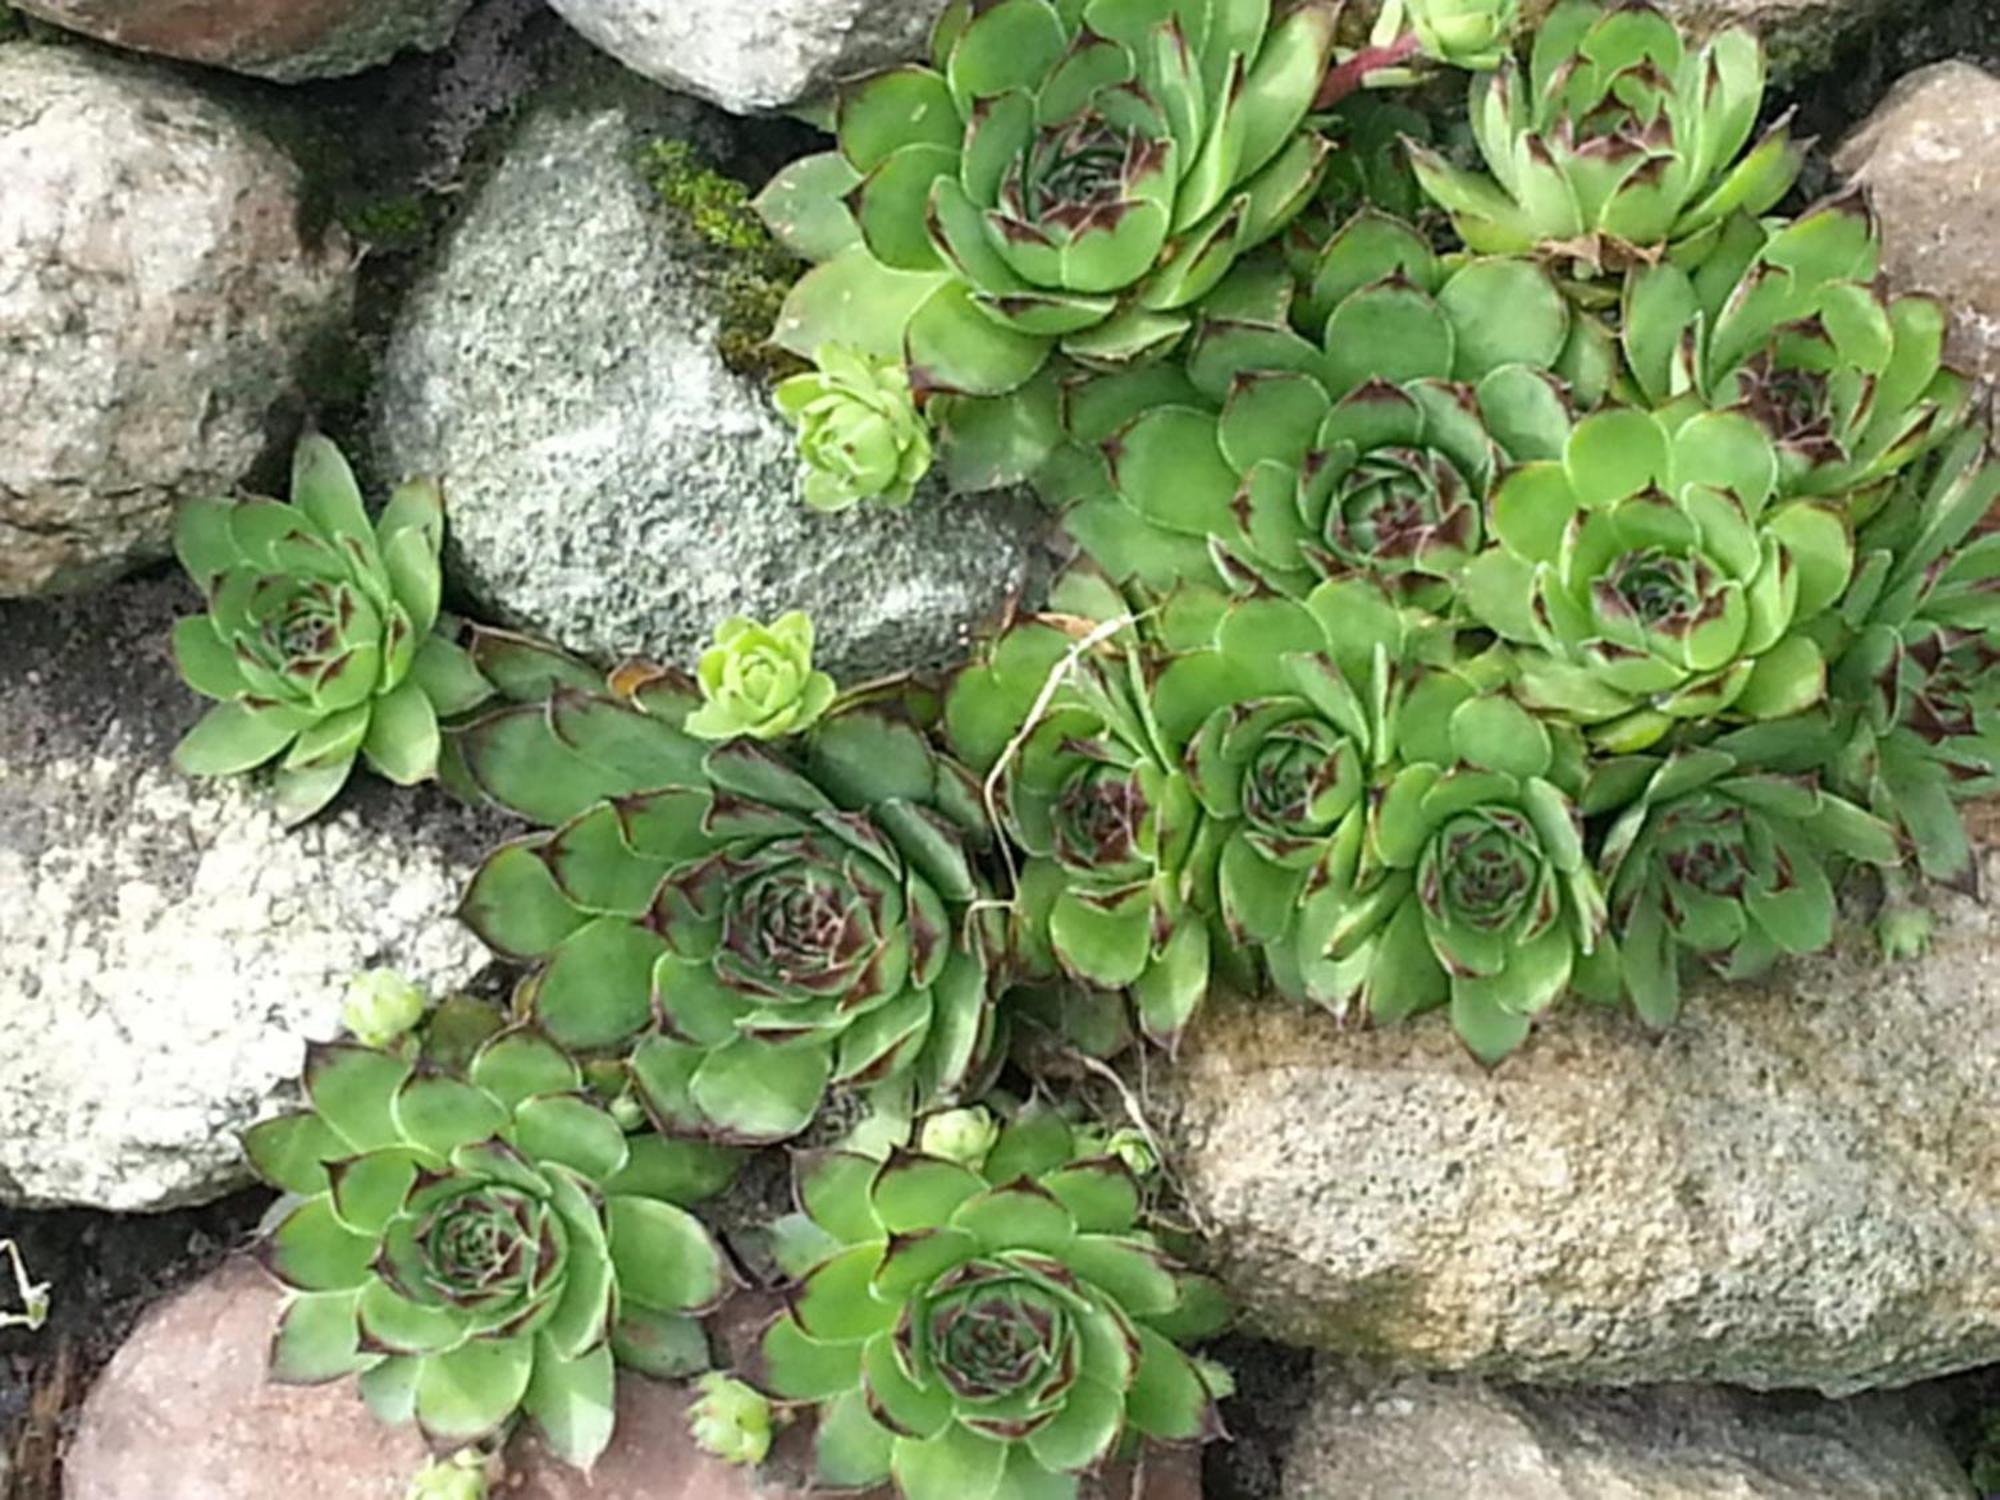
400 222
714 213
11 27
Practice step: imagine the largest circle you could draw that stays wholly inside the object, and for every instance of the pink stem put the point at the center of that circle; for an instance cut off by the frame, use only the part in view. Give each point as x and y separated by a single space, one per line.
1353 74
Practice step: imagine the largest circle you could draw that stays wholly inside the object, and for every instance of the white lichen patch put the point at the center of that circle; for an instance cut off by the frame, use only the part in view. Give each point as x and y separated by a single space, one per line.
166 950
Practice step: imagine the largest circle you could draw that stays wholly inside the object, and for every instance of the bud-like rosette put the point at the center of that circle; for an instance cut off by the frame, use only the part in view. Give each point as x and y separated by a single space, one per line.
758 680
1368 443
1063 175
1789 324
1618 142
381 1006
779 924
1472 34
318 638
480 1246
1474 889
962 1330
1726 863
730 1421
1655 580
860 434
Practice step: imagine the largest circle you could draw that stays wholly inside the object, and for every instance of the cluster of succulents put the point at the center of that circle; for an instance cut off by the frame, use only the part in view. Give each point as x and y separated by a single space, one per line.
1492 587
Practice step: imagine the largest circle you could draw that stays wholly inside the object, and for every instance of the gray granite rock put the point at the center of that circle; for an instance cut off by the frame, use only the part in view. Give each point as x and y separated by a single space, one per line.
1797 1186
1422 1438
285 40
753 57
156 298
1926 158
166 948
612 484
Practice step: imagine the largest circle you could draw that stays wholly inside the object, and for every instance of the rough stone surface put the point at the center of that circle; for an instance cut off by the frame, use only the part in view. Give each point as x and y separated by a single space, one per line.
166 948
1927 158
611 483
155 300
753 57
286 40
183 1412
1798 1186
1421 1438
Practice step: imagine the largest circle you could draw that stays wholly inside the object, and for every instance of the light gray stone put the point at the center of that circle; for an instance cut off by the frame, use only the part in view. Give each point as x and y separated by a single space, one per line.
285 40
611 483
1797 1186
1422 1438
155 300
166 948
1927 157
753 57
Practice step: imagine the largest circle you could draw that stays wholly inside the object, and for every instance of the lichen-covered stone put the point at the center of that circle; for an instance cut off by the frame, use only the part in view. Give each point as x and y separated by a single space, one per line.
611 483
753 57
156 299
1421 1438
1926 159
166 948
1797 1186
285 40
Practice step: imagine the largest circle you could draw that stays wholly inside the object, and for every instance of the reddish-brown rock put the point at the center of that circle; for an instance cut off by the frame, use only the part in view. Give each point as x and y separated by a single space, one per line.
183 1412
283 39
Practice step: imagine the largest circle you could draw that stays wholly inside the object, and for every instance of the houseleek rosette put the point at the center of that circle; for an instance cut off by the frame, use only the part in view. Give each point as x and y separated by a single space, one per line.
1079 720
1653 579
1789 324
758 680
482 1246
986 1332
318 638
1062 175
861 436
1621 141
1473 890
1726 864
781 923
1368 443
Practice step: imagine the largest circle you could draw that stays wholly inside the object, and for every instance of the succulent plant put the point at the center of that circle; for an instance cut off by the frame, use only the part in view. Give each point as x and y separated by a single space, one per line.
1912 725
1064 175
381 1007
758 680
860 434
462 1476
1620 142
1472 888
1475 34
984 1333
1370 445
784 922
1064 716
1725 863
1788 324
1654 579
475 1247
961 1135
318 639
730 1420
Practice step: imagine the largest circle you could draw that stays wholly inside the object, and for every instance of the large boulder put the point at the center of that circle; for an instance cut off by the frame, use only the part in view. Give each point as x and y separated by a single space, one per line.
286 40
1421 1438
1925 156
166 947
156 299
1797 1186
612 484
753 57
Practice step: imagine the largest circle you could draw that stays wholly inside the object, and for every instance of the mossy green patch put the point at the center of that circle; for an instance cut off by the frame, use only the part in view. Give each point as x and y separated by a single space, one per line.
714 213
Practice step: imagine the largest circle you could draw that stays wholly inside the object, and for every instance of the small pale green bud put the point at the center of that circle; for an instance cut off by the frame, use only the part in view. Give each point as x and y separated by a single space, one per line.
381 1006
628 1111
861 436
1127 1145
1904 930
960 1135
730 1421
758 680
1471 34
460 1477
